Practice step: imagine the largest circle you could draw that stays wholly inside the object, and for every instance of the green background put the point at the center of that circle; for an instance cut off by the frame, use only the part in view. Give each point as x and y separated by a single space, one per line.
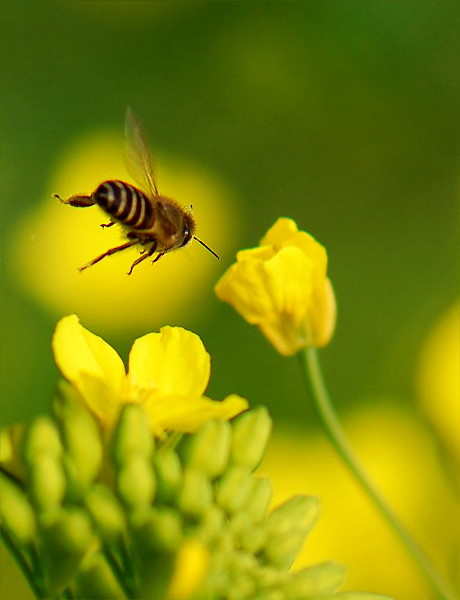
342 115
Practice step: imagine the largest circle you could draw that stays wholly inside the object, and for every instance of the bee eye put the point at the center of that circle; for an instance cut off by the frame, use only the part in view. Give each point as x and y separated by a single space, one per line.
187 236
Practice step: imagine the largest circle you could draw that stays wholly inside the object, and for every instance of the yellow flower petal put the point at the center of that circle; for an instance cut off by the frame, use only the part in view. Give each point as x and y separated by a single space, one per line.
91 365
289 283
186 415
284 233
282 230
261 253
243 287
323 315
173 362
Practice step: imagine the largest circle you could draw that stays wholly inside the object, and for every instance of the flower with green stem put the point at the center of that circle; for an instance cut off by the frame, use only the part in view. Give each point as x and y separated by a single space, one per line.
143 512
282 287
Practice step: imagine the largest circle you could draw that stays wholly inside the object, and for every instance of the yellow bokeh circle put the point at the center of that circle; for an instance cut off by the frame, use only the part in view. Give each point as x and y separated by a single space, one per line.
55 239
401 459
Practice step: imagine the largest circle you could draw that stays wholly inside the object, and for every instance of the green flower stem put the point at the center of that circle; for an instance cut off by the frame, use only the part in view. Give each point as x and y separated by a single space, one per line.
22 563
172 440
67 594
312 372
119 574
128 570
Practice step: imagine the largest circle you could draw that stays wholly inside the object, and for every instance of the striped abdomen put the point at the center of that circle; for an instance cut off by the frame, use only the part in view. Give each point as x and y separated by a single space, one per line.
125 203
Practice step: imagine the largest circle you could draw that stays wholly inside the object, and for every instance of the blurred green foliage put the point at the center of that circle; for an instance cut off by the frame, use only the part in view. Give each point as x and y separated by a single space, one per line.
342 115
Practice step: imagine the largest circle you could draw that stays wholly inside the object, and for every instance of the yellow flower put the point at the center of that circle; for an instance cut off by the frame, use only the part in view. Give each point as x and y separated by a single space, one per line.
282 287
192 565
168 374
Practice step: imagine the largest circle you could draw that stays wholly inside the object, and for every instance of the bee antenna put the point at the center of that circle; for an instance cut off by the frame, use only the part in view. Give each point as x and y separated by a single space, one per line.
206 246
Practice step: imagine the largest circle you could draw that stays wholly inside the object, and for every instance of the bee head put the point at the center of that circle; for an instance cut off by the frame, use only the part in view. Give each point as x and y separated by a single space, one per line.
188 229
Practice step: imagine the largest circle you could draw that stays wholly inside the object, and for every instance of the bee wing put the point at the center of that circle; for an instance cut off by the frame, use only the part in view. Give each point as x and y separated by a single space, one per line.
138 159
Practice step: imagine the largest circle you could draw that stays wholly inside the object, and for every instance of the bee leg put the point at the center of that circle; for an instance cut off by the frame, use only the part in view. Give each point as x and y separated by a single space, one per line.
144 254
142 257
158 257
80 201
108 253
104 225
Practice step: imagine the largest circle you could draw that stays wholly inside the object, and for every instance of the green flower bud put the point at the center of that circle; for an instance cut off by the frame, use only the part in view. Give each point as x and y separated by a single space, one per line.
96 580
318 580
250 435
155 572
136 481
239 523
242 586
243 563
259 499
157 535
132 435
268 576
271 595
42 438
15 511
168 470
82 443
212 525
300 512
47 482
219 575
281 551
208 450
254 539
250 538
225 544
357 596
157 529
66 536
43 452
106 513
233 488
287 527
196 494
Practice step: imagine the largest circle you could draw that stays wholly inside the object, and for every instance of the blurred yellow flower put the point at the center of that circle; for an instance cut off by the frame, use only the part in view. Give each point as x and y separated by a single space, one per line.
65 238
168 374
282 286
192 565
401 455
438 380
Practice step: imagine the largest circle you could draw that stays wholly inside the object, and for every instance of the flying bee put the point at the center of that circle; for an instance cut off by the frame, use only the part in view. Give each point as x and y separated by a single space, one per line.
157 223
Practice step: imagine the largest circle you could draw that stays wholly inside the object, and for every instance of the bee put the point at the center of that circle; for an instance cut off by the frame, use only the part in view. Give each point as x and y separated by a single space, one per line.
155 222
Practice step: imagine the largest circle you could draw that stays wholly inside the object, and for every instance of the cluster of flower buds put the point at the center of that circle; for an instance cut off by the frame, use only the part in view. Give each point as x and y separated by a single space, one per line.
123 515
